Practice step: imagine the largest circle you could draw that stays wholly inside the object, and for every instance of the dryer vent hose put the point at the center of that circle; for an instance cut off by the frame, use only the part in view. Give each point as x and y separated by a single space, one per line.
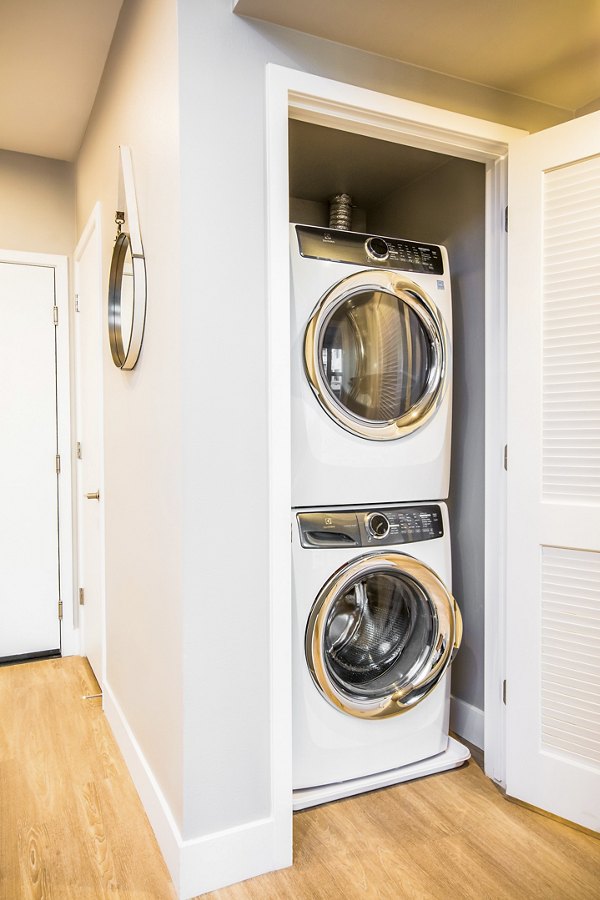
340 212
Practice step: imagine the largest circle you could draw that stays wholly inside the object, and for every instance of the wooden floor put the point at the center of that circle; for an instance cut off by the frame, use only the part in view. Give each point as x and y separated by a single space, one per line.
71 825
449 836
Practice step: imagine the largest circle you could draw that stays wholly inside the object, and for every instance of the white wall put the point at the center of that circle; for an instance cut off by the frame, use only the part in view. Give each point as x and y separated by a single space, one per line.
448 207
38 204
137 105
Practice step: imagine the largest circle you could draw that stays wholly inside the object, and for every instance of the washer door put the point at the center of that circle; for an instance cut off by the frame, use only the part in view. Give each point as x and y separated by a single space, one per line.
376 355
381 634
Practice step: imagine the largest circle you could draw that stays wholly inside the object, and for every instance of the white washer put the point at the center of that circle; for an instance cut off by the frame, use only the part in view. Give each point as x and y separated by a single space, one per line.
374 631
371 368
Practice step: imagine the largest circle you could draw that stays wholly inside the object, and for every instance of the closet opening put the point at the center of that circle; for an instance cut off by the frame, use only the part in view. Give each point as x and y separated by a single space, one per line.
419 195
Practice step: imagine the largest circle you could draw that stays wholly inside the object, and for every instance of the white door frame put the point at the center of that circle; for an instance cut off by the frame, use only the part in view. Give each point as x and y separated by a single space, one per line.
310 98
91 232
69 634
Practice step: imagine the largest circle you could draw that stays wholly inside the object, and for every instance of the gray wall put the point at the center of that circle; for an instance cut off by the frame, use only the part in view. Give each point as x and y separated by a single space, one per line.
448 207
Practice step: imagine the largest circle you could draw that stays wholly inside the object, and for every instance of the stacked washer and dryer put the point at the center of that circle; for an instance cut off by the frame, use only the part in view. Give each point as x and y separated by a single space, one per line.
375 626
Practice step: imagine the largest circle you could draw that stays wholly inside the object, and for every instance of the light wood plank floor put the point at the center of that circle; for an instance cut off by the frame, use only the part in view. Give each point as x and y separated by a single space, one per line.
72 827
71 824
451 835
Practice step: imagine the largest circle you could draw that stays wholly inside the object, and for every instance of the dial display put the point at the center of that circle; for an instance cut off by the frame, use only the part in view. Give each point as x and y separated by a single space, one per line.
378 525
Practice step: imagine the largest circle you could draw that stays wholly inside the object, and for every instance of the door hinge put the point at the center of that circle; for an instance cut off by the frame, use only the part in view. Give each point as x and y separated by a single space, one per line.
506 457
55 314
504 691
58 463
78 449
506 219
81 597
76 302
60 609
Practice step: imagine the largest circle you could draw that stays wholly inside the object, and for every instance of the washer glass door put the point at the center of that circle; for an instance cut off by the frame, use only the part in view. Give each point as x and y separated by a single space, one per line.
375 355
381 634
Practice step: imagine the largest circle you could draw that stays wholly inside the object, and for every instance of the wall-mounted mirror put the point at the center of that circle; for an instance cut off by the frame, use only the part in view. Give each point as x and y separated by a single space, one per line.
126 303
127 281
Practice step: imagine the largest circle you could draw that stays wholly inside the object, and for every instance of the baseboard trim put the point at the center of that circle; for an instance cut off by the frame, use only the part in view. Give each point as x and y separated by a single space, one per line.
217 860
153 800
202 864
467 721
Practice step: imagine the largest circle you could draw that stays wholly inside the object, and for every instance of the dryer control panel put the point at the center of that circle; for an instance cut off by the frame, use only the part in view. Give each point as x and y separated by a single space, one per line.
369 250
370 527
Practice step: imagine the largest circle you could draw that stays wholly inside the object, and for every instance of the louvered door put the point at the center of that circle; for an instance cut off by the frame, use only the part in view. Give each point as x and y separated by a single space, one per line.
553 580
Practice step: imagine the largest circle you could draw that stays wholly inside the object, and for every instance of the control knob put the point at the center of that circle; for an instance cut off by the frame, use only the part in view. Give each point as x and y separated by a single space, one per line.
378 525
377 248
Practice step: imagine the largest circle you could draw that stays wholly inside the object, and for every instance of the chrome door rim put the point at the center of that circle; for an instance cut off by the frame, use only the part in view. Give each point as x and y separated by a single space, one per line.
431 320
447 640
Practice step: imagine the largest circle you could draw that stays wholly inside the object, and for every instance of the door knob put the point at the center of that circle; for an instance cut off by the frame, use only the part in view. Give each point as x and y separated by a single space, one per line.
93 496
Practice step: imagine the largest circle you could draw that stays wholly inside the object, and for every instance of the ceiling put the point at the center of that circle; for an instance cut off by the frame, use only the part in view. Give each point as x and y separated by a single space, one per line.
52 54
545 50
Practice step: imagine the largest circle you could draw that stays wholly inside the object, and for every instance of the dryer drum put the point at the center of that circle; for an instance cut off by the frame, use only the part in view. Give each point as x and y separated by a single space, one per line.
381 634
376 351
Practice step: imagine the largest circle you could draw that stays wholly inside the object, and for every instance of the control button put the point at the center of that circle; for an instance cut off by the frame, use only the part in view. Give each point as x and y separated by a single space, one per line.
377 248
378 525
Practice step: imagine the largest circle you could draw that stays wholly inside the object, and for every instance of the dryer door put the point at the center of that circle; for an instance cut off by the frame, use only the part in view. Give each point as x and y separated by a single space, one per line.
376 355
381 634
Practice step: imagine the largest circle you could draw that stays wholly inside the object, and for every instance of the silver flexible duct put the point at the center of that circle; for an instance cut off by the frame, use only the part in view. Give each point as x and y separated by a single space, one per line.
340 212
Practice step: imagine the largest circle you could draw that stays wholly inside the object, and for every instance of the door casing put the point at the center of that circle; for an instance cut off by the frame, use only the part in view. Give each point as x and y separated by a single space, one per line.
91 238
318 100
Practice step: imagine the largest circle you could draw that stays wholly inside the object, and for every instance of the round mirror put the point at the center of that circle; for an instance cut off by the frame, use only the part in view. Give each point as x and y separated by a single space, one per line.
126 303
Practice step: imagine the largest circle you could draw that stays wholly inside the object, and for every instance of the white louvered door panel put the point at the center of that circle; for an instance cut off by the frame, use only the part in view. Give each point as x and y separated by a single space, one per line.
553 578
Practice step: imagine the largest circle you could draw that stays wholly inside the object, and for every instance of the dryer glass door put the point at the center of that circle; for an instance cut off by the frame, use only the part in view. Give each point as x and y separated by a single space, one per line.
376 355
381 634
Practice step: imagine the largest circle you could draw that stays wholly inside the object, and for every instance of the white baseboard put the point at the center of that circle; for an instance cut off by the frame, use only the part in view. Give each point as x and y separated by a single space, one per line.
216 860
467 721
201 864
153 800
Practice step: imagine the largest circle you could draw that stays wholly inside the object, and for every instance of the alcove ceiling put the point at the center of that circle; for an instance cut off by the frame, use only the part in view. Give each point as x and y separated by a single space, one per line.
324 161
52 55
545 51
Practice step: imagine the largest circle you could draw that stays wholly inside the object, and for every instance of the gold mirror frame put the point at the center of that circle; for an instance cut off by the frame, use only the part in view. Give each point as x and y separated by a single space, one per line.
126 341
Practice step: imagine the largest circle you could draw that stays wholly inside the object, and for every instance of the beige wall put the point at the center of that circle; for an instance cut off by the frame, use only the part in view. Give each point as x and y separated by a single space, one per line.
137 105
37 199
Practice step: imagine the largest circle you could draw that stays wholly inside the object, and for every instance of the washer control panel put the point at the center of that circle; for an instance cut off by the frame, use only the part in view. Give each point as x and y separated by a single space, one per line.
370 527
369 250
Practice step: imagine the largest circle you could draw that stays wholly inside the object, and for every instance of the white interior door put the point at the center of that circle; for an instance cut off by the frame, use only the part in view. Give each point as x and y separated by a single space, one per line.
29 549
553 581
88 287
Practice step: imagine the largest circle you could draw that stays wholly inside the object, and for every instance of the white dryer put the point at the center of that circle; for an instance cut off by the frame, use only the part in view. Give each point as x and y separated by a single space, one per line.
371 368
375 629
